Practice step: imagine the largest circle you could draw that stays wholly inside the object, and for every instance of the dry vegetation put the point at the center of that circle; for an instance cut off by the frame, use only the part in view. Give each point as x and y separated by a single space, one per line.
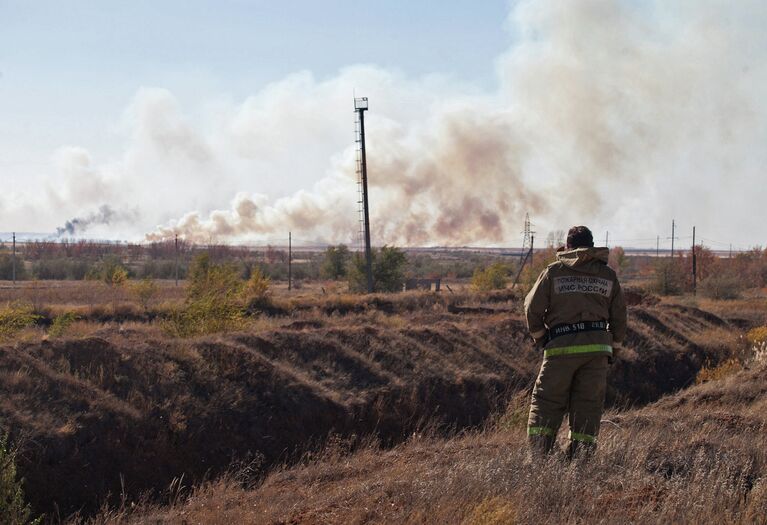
113 407
699 456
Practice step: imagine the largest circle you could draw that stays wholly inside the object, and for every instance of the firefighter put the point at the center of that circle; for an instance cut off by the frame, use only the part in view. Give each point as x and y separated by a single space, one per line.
576 314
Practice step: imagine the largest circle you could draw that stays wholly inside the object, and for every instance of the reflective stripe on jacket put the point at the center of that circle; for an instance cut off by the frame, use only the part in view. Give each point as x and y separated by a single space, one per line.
579 286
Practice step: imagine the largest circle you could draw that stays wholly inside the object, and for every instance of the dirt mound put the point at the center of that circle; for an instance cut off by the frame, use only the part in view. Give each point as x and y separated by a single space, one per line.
123 412
638 296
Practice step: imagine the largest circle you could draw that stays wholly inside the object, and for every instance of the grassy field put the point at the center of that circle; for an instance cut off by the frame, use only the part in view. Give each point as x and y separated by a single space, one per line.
328 407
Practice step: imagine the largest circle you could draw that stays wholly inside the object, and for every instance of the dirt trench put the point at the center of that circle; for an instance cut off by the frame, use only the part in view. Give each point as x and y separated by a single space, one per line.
120 413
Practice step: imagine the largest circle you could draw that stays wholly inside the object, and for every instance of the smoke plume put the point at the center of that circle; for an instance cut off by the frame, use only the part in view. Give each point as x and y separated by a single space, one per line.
609 113
105 215
619 115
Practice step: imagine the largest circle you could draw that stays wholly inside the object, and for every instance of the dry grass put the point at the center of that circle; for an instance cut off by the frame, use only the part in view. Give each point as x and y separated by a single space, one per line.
112 394
695 457
75 294
752 307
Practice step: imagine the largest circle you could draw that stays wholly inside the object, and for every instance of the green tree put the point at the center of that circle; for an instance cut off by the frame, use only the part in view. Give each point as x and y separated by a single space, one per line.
494 277
6 268
388 270
335 262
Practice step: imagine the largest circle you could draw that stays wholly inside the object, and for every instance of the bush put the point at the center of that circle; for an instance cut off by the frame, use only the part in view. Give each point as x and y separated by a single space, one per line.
256 292
669 277
214 300
110 271
336 260
162 269
61 323
494 277
13 509
143 291
15 317
388 271
61 269
718 372
721 286
6 268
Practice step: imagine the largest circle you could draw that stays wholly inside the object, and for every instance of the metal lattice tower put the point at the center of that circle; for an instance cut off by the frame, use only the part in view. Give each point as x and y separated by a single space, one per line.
526 240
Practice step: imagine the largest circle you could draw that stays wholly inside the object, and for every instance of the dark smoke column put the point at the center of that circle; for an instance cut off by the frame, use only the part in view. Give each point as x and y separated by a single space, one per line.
360 106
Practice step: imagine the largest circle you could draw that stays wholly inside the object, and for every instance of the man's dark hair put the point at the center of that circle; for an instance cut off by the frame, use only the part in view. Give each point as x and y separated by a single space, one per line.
579 237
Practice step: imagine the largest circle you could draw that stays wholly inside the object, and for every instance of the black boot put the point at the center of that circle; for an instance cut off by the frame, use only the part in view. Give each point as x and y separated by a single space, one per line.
580 450
540 445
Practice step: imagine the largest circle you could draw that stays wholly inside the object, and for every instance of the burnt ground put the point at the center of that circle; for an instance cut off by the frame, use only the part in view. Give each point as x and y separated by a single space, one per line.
126 412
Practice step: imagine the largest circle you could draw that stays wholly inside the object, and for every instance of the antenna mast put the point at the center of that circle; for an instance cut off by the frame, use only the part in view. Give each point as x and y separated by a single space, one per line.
360 106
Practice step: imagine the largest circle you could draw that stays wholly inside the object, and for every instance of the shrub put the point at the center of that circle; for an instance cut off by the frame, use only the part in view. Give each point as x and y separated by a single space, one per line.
162 269
669 277
494 277
721 286
6 268
256 292
61 323
13 509
143 291
388 270
15 317
335 262
110 271
720 371
214 300
61 268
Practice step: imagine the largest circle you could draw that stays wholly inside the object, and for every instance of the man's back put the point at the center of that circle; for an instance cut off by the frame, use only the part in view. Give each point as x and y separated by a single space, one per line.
579 287
577 313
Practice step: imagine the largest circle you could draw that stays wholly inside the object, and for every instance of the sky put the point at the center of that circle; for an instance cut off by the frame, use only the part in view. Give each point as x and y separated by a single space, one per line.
232 121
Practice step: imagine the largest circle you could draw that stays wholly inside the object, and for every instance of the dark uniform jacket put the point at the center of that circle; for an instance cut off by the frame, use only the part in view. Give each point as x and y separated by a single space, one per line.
577 305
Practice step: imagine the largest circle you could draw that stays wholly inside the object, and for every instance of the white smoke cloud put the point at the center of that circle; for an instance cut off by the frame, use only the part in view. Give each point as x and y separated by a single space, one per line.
620 115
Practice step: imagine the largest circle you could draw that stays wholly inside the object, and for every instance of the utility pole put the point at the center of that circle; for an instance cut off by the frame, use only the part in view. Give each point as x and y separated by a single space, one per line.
694 265
528 254
290 261
607 238
730 256
673 227
177 259
657 247
360 106
13 261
